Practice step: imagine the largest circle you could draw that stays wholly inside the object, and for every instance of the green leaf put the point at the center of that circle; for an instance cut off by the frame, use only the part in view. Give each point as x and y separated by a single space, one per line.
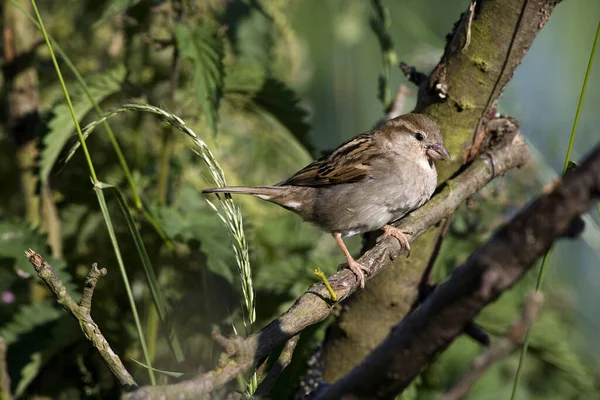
29 372
203 46
16 237
60 127
27 319
244 78
250 32
36 334
279 100
157 296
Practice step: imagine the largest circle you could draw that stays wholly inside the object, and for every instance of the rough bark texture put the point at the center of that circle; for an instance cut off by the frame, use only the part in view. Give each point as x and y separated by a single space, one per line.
488 272
21 82
480 57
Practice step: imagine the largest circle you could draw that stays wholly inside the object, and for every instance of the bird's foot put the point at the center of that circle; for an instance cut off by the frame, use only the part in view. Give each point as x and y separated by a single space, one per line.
399 234
358 269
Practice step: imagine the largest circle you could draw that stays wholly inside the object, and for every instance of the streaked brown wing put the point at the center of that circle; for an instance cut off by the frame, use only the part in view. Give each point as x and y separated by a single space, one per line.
348 163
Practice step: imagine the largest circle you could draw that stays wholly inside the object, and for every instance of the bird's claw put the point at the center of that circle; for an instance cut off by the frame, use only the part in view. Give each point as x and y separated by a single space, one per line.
357 268
399 234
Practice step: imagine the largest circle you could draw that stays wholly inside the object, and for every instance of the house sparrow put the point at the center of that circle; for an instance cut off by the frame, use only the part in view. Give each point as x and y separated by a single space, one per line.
369 181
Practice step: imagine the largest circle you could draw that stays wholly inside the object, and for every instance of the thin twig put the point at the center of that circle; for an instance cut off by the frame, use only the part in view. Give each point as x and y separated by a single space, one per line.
504 347
81 312
397 107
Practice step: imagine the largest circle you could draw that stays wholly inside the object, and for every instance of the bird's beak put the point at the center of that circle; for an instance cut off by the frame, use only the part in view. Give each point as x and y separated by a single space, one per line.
437 152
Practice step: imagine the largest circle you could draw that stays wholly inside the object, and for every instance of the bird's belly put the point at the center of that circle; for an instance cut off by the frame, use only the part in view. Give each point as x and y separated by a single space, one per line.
350 213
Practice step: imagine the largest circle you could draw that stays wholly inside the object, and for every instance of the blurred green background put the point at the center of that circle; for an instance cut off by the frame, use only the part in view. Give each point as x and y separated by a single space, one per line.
299 77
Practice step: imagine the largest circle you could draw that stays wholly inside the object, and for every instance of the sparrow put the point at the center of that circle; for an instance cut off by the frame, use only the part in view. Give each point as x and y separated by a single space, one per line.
368 182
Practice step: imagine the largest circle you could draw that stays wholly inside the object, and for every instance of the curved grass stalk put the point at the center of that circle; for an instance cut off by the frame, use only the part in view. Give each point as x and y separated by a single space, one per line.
227 210
99 194
137 201
540 278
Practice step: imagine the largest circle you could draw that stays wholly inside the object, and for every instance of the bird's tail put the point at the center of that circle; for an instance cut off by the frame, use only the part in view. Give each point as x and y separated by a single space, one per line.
263 192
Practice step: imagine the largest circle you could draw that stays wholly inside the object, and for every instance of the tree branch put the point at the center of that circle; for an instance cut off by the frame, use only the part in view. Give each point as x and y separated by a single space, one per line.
504 347
486 45
489 271
81 312
314 305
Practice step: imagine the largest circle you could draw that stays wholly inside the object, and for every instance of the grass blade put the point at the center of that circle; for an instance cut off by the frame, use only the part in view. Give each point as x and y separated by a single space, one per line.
540 279
115 243
156 293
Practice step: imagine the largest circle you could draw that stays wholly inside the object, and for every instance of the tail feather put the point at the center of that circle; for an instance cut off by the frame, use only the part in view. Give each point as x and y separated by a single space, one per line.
263 192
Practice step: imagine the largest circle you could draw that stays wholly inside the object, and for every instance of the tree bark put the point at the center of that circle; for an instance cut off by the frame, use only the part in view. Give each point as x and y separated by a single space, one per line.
21 79
491 270
486 45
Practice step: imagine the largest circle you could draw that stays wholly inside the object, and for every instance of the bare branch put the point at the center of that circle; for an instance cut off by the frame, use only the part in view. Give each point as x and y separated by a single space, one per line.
489 271
504 347
81 312
314 305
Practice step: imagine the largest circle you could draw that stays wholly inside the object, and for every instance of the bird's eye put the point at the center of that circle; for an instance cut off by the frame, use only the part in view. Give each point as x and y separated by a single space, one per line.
419 136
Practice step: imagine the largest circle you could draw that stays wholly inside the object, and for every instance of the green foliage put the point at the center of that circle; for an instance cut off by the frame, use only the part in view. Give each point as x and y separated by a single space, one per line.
37 333
115 7
15 238
157 296
249 70
203 46
281 102
60 125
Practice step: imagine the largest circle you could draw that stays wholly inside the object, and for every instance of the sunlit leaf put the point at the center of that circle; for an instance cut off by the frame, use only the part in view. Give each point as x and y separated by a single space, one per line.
203 46
60 127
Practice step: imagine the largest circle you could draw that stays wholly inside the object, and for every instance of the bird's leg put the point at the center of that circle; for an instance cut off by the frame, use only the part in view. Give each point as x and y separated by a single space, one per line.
354 266
399 234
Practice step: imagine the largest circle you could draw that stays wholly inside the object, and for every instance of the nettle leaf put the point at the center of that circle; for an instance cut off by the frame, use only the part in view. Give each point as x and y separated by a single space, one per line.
250 32
27 319
281 102
16 237
245 78
60 127
205 227
37 333
203 46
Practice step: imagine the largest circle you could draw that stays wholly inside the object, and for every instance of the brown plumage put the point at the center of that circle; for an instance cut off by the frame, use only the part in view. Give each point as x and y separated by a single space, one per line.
369 181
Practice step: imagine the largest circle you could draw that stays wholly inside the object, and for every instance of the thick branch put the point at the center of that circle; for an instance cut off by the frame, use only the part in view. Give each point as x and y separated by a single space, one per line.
81 312
489 271
314 306
501 349
482 52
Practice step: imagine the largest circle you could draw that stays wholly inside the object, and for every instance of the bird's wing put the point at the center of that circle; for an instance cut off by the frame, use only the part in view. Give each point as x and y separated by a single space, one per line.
351 162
